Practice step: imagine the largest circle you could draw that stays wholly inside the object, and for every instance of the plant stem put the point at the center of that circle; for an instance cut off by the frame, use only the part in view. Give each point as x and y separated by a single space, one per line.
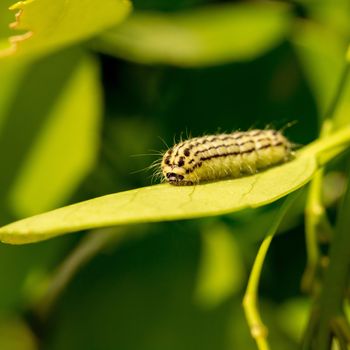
88 248
250 300
324 322
315 219
327 148
336 278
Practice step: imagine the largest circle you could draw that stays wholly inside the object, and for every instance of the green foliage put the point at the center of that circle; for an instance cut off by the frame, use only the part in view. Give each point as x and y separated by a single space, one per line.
68 109
201 37
50 26
165 202
84 87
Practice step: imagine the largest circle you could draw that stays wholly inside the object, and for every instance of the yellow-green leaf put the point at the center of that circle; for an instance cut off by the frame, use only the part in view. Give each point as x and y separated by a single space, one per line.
50 25
50 113
5 18
16 335
211 35
165 202
65 150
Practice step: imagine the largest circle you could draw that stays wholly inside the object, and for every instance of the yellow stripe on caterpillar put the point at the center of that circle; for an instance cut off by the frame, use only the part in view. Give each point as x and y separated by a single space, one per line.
215 157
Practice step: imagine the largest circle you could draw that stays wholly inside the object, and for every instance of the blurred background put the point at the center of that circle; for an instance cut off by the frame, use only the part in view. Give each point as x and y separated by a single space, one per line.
84 120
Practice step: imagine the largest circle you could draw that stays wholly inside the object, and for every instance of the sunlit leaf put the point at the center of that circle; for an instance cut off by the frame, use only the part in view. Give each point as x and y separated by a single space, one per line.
50 25
5 18
165 202
51 124
207 36
65 150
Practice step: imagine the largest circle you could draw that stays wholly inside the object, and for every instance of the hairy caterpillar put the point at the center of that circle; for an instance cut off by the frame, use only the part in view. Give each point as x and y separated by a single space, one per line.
221 156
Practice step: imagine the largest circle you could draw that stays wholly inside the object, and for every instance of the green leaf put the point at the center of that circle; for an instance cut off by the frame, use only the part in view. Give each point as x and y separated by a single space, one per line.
333 14
65 150
51 25
292 317
165 202
322 54
201 37
52 132
11 74
16 335
221 272
5 18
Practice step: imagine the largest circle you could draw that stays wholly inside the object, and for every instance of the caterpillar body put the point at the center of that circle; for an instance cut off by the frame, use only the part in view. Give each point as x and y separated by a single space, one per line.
215 157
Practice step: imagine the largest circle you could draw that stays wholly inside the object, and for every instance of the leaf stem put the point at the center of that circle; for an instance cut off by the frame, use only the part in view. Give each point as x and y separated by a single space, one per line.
327 148
250 301
316 220
88 248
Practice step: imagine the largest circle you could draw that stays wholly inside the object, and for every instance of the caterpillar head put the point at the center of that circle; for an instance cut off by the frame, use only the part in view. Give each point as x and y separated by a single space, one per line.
175 171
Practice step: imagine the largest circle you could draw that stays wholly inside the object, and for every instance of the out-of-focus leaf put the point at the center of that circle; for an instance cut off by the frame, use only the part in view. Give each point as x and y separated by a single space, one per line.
207 36
51 127
65 150
16 335
220 271
51 25
150 282
165 202
10 78
5 18
293 316
23 271
334 14
322 53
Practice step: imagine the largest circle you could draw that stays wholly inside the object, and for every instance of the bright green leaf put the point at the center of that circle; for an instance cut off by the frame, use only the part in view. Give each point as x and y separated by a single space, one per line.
65 150
165 202
50 25
5 18
206 36
50 120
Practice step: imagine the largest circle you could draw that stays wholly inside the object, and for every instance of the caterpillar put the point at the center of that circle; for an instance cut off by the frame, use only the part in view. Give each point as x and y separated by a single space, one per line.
216 157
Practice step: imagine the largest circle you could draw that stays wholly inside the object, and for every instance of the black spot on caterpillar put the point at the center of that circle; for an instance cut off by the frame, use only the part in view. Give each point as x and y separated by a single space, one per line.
215 157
